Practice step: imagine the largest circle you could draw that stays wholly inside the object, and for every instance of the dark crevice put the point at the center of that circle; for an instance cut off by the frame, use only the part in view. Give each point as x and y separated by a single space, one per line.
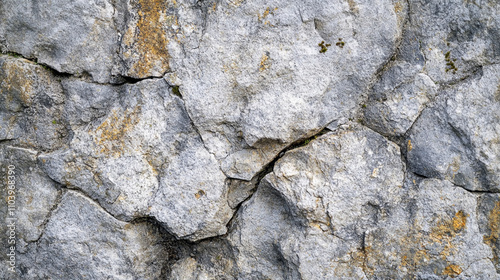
130 80
395 53
476 71
6 141
268 168
121 80
54 71
421 176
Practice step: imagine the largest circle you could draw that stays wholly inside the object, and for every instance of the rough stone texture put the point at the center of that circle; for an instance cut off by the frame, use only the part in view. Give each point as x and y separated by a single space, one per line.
184 139
142 158
35 197
105 247
257 58
70 36
30 105
459 137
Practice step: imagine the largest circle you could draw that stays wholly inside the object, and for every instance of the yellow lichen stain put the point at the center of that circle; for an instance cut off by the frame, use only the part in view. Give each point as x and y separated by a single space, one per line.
146 43
441 236
452 270
494 227
448 229
409 146
459 221
360 257
109 136
18 83
398 7
404 261
265 14
265 63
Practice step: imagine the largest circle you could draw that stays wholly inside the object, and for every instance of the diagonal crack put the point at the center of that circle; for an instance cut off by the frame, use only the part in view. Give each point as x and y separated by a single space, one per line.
57 202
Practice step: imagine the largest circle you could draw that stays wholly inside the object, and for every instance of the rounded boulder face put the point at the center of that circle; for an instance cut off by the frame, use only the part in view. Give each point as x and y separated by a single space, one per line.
182 139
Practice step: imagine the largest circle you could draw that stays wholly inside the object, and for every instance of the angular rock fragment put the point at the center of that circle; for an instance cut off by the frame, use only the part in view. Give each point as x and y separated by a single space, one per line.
316 206
400 107
74 37
458 138
135 151
82 240
28 197
31 109
456 36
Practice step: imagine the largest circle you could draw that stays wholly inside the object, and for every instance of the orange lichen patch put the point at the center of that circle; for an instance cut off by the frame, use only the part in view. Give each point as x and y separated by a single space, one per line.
265 14
414 258
440 237
404 261
449 228
146 42
409 146
452 270
459 221
494 227
109 136
264 63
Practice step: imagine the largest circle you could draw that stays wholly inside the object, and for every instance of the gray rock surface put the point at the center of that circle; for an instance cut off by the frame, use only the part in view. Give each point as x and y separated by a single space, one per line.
106 247
31 105
135 151
183 139
458 138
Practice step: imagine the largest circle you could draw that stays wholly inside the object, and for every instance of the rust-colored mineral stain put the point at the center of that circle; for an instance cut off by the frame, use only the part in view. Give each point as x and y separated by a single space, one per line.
459 221
149 41
111 133
410 147
494 227
452 270
449 228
